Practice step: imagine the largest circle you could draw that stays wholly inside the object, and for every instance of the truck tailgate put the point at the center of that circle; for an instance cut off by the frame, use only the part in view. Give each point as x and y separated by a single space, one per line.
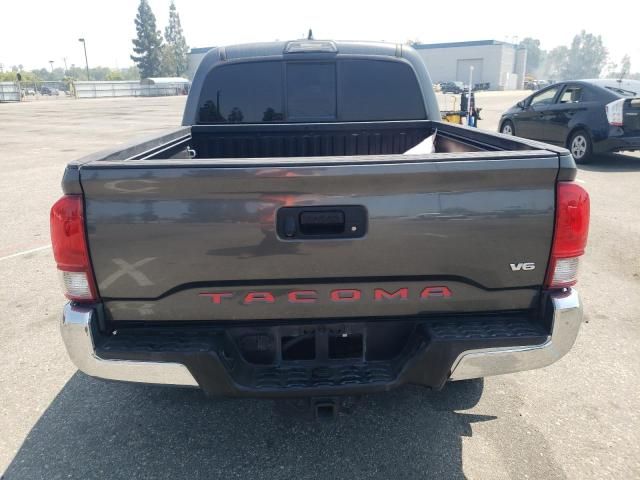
198 240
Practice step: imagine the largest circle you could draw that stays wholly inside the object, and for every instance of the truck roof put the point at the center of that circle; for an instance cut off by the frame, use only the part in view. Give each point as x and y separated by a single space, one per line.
271 49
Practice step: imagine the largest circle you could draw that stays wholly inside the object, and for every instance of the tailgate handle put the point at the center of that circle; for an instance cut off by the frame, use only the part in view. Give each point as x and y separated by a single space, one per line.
322 222
302 223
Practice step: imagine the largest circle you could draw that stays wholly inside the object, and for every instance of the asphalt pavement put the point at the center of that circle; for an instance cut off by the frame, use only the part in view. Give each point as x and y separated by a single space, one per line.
577 419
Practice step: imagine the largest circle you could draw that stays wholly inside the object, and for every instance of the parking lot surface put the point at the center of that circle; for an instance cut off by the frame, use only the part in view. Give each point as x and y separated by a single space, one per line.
577 419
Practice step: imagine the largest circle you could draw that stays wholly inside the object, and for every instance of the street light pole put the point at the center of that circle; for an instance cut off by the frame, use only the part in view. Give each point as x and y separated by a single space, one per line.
86 62
51 63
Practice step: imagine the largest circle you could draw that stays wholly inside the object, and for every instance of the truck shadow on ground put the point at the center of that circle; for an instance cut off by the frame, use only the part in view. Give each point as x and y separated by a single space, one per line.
612 162
96 429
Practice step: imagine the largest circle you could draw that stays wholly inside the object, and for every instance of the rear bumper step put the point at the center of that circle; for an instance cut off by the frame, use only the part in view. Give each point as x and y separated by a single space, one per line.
567 317
434 352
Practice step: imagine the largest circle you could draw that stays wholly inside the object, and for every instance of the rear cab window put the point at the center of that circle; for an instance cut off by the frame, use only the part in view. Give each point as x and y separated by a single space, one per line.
311 91
379 90
243 93
346 90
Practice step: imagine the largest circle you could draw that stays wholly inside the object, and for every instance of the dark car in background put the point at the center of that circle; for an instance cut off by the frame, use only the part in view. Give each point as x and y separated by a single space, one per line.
51 91
452 87
586 116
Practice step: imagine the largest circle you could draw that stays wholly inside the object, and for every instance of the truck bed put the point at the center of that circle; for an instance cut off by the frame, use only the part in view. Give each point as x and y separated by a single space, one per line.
314 140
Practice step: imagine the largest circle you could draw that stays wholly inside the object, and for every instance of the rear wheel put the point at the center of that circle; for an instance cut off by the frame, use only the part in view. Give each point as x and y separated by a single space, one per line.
580 146
507 128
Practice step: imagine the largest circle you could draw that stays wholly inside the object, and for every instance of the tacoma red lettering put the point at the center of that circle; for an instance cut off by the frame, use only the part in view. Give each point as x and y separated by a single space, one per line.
345 295
303 296
217 297
381 294
429 292
265 297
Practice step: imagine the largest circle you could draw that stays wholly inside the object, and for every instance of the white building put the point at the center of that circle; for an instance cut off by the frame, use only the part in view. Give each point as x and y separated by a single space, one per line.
500 64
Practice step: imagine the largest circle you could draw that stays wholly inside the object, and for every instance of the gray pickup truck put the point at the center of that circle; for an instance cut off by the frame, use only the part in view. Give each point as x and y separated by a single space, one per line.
313 229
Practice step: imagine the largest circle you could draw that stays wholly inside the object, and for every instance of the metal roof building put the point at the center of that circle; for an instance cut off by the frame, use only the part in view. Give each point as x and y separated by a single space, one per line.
164 81
500 64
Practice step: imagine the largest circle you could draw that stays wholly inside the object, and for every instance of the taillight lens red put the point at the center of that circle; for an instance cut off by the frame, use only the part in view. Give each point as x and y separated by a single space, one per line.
70 249
570 235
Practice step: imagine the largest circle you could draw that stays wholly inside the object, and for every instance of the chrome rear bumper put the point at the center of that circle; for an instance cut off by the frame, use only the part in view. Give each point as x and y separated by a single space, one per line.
79 332
567 317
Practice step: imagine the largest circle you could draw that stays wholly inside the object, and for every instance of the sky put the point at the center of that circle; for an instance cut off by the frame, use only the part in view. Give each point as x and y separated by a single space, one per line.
34 32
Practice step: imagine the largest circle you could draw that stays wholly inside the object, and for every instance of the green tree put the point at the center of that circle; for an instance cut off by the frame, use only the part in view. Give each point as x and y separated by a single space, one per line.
130 73
534 53
556 62
175 58
625 67
622 70
42 74
147 47
113 75
586 58
7 77
104 73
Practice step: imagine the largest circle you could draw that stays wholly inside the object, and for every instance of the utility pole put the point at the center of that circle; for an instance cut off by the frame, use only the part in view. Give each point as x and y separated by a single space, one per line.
51 63
86 62
66 70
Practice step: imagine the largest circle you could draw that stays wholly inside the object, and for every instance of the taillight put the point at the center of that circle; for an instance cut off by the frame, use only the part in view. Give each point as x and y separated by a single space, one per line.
70 249
570 235
615 112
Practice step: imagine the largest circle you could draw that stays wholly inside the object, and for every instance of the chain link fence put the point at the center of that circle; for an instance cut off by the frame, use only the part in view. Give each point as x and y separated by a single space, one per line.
128 89
9 92
33 90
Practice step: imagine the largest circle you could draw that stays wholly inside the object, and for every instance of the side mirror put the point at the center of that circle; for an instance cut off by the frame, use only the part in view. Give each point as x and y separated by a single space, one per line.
521 104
